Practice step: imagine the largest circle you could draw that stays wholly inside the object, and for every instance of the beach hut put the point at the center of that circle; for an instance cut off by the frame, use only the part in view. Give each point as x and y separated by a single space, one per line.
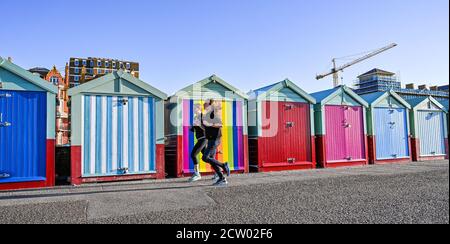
340 128
281 128
117 130
27 129
179 117
388 128
429 129
446 105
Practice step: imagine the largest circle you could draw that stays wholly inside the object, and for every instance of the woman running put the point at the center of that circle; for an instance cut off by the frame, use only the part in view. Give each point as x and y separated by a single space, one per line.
199 130
212 120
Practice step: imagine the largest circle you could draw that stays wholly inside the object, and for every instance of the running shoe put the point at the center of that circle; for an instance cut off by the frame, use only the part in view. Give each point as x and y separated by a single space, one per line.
215 177
195 178
221 182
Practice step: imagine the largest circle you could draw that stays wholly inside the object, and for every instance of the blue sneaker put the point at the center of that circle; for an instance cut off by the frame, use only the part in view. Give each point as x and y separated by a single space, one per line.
222 182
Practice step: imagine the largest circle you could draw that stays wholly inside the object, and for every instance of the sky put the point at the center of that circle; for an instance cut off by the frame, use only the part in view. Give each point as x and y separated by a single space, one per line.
248 43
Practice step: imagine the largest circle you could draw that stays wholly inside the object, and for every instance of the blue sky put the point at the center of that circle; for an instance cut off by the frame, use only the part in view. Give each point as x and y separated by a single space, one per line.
249 43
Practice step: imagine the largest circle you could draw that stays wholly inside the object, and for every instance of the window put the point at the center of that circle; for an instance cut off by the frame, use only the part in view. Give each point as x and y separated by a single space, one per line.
114 65
77 62
76 78
99 63
84 63
76 70
121 65
54 80
100 71
92 63
128 66
106 64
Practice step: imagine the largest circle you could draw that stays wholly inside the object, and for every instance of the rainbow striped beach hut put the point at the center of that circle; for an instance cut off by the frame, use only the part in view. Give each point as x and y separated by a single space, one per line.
179 119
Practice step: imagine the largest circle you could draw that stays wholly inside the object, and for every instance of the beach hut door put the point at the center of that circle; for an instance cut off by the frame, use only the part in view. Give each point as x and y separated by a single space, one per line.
22 136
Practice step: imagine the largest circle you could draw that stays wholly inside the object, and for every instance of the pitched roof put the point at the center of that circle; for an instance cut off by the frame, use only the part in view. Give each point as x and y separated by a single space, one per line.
377 71
376 97
41 71
113 76
25 74
281 85
323 97
320 96
216 79
418 101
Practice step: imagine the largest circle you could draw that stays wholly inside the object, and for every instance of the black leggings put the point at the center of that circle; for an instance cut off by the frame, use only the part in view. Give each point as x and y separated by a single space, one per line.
210 154
199 147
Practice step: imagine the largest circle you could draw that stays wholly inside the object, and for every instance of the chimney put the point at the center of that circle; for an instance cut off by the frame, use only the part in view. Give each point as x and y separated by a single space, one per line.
10 59
410 86
434 88
423 87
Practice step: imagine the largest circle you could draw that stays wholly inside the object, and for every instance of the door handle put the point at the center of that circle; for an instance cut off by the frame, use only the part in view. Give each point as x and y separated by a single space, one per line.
5 124
291 160
394 155
392 125
349 158
4 175
123 171
347 125
290 124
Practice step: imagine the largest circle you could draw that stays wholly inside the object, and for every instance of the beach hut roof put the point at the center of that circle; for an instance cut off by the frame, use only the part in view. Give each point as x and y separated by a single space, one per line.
375 98
88 86
262 92
420 101
25 74
323 97
212 79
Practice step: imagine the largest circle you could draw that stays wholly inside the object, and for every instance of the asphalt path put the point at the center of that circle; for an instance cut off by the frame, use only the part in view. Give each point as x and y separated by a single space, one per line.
413 193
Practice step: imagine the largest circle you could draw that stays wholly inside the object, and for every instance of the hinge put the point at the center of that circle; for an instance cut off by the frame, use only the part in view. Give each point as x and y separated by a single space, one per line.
4 175
5 95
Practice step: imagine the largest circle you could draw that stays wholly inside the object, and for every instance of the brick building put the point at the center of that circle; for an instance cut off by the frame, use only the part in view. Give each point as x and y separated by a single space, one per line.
81 70
62 109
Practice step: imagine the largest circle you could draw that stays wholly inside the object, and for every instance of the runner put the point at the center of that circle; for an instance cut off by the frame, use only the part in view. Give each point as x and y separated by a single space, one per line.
199 130
212 120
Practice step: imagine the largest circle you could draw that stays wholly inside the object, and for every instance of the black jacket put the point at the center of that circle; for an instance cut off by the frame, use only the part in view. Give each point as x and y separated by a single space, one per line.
213 133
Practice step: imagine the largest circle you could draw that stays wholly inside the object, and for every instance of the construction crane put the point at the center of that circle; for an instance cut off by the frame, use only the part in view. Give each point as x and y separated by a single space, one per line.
335 71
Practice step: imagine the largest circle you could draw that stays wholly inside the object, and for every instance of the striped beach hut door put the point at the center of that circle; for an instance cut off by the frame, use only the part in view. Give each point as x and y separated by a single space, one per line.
431 133
231 149
391 133
118 135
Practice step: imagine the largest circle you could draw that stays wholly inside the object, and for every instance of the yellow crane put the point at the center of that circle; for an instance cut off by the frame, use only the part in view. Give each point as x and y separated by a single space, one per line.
335 71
